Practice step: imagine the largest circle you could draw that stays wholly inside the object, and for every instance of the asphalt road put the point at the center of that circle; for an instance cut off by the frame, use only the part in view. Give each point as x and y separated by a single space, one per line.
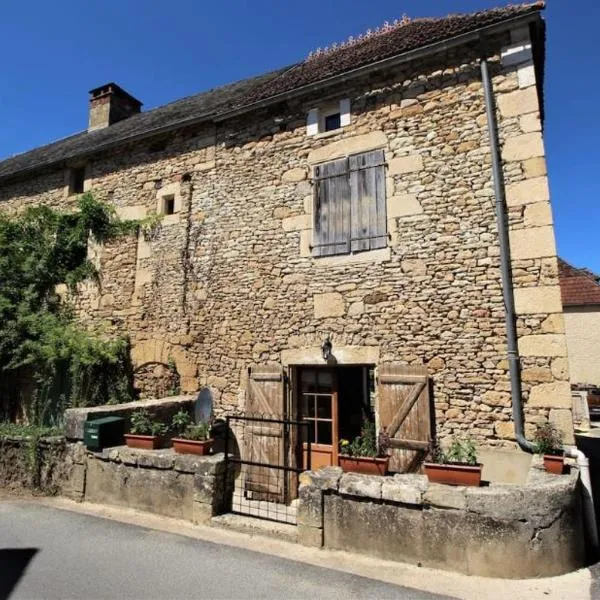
48 553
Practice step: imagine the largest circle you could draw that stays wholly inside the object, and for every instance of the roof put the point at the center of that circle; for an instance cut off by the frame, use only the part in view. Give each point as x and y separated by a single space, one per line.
578 287
387 42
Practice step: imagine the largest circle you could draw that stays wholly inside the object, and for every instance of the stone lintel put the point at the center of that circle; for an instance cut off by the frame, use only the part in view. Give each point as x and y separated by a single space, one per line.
347 146
344 355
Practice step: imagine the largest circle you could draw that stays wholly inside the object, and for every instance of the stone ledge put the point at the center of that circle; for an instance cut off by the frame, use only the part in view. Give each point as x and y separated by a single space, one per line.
363 486
327 478
405 489
514 531
162 407
163 458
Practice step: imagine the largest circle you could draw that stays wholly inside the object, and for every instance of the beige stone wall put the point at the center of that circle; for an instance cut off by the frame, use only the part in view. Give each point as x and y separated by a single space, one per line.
229 280
583 342
541 328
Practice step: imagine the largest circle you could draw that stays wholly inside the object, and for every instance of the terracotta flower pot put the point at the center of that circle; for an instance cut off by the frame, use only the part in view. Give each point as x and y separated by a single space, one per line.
143 442
554 464
200 447
454 474
364 465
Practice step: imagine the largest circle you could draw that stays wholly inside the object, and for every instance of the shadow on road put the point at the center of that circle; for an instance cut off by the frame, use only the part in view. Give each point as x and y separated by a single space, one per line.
13 564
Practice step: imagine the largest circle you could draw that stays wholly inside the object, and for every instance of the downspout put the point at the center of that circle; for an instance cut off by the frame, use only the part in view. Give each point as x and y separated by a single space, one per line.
507 283
588 499
509 308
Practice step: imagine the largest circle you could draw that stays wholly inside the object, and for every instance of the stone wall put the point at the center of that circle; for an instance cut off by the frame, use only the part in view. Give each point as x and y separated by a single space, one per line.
583 340
533 530
161 409
33 464
182 486
229 280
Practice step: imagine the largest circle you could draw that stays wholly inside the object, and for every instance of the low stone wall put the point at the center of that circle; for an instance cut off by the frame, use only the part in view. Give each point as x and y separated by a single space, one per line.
182 486
512 531
34 464
162 408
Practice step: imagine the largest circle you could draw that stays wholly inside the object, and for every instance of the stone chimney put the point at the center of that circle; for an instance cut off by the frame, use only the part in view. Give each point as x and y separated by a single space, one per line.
109 104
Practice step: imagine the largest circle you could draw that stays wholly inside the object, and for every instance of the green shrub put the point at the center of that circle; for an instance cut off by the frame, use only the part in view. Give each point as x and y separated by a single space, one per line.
366 444
548 439
143 424
182 427
461 451
47 361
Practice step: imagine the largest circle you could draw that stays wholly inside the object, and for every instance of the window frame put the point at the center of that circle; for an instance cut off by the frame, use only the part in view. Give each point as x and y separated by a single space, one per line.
325 114
168 202
347 184
74 179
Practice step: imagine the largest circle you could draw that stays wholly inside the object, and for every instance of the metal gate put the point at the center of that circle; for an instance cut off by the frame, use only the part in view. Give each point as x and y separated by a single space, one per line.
266 453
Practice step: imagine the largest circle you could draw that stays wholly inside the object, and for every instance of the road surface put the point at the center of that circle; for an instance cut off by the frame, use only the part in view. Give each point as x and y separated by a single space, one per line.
53 554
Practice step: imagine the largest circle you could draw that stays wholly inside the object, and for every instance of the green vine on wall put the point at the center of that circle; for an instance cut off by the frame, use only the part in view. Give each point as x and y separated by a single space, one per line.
47 360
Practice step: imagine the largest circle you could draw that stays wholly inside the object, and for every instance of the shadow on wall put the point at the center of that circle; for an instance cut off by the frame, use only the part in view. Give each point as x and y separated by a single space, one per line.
13 564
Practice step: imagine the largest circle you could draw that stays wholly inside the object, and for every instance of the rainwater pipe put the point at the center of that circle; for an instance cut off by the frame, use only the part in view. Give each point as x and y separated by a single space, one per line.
509 310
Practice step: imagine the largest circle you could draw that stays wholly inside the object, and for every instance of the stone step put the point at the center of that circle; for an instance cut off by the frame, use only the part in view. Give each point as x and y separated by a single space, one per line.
254 526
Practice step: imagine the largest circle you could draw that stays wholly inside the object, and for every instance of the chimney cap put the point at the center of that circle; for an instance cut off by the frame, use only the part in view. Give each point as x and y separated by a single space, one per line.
112 88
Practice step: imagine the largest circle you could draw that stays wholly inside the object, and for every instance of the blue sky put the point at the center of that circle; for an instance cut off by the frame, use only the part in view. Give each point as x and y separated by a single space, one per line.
54 52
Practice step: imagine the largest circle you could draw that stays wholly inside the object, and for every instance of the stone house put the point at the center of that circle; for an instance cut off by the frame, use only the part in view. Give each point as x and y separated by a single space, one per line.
329 246
580 292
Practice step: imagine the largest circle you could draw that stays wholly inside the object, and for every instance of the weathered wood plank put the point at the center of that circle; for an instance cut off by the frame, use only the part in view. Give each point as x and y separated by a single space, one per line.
404 412
405 409
409 445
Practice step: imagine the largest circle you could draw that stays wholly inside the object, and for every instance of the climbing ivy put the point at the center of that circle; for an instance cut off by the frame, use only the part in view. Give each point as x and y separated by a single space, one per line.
47 360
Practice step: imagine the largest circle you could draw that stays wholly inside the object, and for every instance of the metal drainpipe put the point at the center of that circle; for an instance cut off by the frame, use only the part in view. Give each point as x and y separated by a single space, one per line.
509 307
507 284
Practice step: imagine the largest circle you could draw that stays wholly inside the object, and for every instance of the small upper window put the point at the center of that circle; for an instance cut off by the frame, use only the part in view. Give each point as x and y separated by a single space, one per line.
76 180
330 118
169 205
332 122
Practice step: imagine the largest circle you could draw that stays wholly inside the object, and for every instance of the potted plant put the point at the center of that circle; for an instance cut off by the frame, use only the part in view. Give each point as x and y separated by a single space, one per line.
549 442
457 466
190 438
366 453
145 433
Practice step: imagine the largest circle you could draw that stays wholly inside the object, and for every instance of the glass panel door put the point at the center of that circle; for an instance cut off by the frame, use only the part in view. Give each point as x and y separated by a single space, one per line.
317 404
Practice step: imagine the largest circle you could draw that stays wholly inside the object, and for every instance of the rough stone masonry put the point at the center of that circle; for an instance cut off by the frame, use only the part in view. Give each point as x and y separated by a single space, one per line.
228 280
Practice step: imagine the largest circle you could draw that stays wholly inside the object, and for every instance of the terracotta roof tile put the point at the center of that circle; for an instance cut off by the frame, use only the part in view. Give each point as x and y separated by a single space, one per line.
578 287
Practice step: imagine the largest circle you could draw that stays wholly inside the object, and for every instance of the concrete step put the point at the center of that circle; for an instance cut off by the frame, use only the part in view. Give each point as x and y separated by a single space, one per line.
254 526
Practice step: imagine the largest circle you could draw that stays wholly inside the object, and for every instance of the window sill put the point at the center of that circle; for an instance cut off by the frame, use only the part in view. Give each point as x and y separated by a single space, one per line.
322 135
371 256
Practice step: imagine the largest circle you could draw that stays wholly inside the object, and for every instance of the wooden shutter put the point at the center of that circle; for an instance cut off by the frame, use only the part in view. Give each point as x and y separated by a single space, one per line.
264 442
404 412
332 209
367 190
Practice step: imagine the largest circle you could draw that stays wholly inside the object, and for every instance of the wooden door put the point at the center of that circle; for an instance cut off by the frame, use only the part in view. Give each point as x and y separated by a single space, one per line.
318 406
404 412
264 441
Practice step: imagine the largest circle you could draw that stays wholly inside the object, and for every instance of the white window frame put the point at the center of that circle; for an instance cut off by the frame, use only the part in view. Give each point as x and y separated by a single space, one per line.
315 122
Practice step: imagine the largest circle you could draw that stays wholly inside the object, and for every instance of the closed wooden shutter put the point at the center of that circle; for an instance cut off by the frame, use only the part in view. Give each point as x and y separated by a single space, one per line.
264 442
404 412
367 189
332 209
